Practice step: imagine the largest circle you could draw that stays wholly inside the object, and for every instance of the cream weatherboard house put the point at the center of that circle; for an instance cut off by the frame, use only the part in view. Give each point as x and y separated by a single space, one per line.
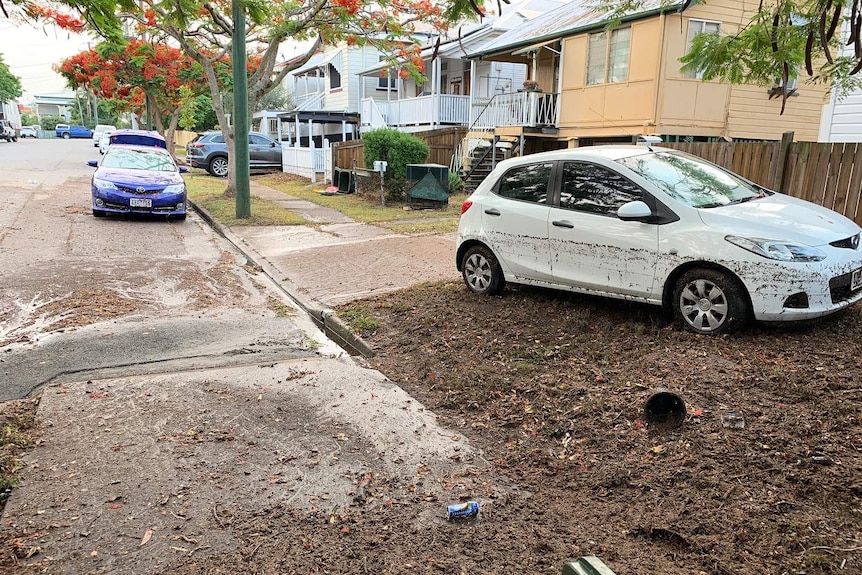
588 84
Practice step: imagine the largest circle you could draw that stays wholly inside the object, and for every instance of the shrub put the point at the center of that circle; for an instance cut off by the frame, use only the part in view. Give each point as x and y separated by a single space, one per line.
456 184
397 149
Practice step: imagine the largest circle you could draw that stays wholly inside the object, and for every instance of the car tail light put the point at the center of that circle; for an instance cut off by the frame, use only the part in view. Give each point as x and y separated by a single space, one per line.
466 206
196 145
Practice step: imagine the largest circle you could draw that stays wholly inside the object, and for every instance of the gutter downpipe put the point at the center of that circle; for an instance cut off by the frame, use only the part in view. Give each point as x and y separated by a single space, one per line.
659 79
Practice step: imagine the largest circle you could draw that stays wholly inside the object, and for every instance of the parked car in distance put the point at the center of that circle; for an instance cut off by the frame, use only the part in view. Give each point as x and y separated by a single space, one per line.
8 131
104 141
209 151
662 227
99 130
138 179
29 132
67 131
138 138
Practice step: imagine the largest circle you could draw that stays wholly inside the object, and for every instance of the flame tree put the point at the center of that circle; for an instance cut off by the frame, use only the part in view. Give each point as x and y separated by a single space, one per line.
137 76
203 30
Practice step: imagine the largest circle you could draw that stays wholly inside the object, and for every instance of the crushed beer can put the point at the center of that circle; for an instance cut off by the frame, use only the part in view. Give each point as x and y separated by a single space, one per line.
462 510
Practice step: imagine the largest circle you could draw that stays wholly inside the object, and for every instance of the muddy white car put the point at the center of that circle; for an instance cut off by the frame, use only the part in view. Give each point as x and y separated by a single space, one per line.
658 226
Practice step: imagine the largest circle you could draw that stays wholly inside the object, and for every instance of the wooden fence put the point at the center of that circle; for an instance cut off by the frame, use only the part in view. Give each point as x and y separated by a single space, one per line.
441 144
829 174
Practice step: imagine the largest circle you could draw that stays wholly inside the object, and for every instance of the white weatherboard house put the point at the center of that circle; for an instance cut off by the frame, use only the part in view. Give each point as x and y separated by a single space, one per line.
453 86
842 120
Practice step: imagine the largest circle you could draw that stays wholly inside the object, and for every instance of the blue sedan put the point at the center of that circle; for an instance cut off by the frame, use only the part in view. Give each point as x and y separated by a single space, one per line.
138 180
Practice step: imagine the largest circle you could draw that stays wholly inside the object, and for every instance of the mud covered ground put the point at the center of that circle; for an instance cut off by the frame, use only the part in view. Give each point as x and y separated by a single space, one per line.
551 387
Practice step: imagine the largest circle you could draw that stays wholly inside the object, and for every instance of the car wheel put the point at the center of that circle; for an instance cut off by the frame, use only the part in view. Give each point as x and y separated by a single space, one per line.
66 136
98 213
218 167
710 302
482 272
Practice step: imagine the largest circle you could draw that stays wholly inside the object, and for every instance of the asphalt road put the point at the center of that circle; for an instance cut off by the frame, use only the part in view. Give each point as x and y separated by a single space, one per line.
84 298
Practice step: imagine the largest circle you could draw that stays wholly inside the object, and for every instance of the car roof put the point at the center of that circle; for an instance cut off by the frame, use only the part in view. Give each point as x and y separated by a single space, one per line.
139 148
607 152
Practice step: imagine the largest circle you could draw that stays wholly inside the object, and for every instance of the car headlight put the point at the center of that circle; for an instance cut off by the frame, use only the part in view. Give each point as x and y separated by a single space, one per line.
175 189
778 250
104 184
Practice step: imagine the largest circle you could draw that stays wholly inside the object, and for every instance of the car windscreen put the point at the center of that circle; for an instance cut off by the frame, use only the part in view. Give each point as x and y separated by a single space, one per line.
138 160
690 180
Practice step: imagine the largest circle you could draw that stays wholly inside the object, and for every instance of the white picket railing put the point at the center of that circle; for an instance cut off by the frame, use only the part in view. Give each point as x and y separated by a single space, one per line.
516 109
312 101
307 162
419 111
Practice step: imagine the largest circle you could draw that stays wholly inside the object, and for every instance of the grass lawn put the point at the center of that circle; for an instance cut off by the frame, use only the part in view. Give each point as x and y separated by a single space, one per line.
208 192
393 216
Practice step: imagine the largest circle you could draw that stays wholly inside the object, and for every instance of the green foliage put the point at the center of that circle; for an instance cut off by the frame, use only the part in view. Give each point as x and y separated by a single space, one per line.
10 85
397 149
50 122
456 184
29 119
198 114
278 99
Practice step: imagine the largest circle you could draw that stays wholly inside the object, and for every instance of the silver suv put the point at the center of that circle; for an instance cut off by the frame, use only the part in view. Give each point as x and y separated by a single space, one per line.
209 151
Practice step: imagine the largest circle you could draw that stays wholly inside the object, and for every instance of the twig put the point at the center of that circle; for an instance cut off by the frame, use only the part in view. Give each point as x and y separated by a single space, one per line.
825 548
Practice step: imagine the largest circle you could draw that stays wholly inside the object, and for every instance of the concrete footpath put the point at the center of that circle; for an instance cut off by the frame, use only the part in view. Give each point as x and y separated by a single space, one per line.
338 260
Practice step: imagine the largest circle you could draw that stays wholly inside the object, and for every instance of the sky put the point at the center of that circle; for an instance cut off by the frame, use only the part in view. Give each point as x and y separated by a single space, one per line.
30 52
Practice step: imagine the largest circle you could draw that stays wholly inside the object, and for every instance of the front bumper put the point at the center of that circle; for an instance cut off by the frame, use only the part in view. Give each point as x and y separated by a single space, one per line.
119 203
805 292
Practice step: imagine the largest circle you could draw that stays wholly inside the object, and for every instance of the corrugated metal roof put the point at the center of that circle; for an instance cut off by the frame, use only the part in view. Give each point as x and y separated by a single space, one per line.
564 21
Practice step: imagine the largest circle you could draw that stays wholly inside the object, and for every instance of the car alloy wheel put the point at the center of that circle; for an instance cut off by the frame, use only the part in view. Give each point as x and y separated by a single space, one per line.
710 302
218 167
66 136
482 272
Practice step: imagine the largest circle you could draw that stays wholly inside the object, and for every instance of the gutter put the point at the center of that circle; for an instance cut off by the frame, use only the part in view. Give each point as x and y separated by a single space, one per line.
573 31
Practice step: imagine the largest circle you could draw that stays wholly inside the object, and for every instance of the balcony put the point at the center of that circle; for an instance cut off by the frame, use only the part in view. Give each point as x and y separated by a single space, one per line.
430 110
525 109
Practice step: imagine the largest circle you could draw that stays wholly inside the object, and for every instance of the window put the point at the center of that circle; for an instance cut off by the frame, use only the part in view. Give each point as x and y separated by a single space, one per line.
334 77
389 78
526 183
595 189
258 140
696 27
608 56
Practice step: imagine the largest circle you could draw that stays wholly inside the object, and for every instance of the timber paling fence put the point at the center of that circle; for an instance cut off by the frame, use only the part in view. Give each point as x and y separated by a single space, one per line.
829 174
441 145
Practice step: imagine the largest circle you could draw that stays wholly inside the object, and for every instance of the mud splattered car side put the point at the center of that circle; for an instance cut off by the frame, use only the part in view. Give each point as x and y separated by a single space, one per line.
662 227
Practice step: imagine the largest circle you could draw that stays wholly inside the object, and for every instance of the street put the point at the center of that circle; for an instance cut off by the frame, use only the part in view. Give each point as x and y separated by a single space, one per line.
134 295
178 387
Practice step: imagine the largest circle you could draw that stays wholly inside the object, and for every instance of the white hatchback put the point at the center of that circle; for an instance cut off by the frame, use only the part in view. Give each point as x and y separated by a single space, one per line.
658 226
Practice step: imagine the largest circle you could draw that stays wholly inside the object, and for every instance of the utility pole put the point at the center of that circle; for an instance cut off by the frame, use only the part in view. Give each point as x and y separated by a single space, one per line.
240 109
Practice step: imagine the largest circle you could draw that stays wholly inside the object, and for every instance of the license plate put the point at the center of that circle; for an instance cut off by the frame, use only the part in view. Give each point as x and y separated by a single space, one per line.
856 279
140 203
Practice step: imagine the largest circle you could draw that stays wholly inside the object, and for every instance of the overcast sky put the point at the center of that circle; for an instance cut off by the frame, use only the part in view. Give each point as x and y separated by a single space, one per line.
30 52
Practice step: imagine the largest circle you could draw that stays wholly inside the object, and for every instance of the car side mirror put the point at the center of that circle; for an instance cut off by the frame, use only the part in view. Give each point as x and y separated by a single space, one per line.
633 211
274 144
183 169
93 163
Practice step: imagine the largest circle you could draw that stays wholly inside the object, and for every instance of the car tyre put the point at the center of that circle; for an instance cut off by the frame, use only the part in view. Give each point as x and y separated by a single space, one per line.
710 302
218 167
98 213
481 271
67 135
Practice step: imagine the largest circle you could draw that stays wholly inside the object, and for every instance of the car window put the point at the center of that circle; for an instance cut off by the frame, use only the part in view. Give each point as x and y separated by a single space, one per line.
131 159
526 183
596 189
690 180
217 139
259 140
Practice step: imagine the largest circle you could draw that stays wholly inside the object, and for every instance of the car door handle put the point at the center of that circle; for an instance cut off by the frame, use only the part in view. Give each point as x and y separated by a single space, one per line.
563 224
492 212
